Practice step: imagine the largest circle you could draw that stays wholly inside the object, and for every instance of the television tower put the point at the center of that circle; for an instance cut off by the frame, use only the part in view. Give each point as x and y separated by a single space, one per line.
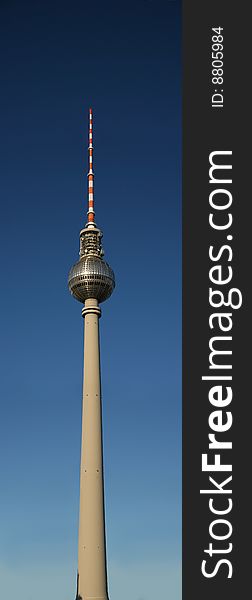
91 281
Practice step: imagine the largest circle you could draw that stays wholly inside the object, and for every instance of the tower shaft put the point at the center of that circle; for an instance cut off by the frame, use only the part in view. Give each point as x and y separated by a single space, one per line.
92 573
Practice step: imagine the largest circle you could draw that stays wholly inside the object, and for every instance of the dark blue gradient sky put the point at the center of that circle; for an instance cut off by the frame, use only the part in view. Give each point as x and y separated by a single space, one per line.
123 59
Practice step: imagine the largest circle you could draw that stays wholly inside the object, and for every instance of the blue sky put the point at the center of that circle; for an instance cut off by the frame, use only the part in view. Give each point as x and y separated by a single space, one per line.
123 59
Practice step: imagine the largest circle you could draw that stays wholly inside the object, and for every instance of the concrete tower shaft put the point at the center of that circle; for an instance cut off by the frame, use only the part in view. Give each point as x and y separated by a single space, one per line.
91 280
92 581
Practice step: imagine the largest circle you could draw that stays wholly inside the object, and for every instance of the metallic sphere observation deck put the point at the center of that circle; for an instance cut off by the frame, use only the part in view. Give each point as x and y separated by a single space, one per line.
91 276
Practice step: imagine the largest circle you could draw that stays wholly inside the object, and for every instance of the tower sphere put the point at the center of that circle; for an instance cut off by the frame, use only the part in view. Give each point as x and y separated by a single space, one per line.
91 277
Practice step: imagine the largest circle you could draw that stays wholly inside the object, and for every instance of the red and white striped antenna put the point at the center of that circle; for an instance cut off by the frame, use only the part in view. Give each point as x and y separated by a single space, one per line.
91 214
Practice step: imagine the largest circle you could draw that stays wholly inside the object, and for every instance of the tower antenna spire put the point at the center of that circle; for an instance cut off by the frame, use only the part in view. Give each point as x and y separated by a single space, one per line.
90 213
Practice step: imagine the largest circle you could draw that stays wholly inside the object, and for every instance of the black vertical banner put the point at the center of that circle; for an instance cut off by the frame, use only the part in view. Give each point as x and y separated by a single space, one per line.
217 331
